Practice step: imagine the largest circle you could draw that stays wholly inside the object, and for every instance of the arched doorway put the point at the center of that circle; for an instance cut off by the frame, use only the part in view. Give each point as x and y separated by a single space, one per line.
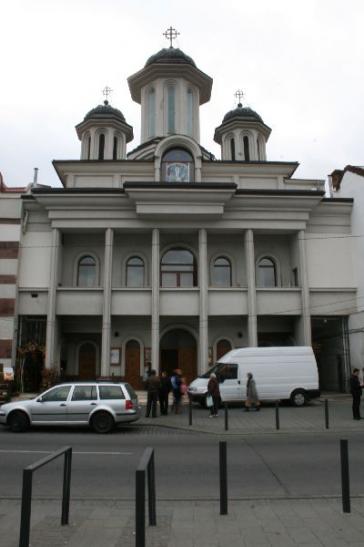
132 364
222 347
178 350
87 361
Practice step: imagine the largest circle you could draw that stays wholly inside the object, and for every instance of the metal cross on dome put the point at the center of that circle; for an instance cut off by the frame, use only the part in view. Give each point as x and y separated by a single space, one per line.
171 34
107 92
239 95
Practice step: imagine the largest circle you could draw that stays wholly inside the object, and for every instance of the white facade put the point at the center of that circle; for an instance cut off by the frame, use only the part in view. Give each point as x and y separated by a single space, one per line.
171 257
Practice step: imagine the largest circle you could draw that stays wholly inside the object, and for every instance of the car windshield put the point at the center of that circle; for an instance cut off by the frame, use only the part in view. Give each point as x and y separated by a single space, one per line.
214 369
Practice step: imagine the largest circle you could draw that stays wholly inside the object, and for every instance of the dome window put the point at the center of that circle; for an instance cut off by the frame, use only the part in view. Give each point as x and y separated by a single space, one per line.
246 148
151 112
232 149
115 149
177 166
101 146
171 107
89 147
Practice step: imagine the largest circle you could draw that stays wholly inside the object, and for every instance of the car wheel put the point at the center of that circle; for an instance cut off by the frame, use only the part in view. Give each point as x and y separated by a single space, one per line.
18 421
102 422
299 398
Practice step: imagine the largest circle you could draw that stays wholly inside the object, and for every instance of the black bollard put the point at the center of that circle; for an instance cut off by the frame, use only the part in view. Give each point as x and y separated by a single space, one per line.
277 415
345 481
226 417
223 478
327 414
189 410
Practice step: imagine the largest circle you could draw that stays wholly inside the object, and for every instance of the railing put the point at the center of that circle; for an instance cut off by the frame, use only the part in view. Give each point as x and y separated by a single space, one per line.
26 501
146 464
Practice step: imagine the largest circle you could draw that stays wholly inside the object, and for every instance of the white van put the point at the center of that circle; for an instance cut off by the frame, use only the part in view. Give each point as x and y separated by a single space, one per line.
281 373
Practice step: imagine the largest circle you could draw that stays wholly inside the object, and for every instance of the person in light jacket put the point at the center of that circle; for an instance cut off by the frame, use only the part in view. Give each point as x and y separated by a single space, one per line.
214 391
252 398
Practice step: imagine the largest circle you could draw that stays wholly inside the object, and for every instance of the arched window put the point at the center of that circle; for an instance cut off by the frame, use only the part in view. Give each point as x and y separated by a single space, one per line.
190 112
232 149
171 106
266 273
135 272
86 272
115 149
221 272
101 146
246 148
222 347
178 269
88 147
177 166
258 149
151 112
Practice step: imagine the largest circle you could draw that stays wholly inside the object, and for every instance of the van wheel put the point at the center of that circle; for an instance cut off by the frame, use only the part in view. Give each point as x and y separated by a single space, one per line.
298 398
102 422
18 422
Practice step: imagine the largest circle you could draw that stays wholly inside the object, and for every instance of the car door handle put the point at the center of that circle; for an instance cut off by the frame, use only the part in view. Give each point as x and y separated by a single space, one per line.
63 404
93 404
238 381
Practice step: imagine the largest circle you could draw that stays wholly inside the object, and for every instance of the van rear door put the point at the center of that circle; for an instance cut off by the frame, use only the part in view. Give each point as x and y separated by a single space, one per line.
229 382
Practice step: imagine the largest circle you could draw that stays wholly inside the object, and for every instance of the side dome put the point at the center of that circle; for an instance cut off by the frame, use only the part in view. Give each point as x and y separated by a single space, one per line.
104 111
242 113
170 55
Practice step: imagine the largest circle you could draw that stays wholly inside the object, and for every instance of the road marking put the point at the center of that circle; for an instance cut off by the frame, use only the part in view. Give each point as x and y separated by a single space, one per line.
73 452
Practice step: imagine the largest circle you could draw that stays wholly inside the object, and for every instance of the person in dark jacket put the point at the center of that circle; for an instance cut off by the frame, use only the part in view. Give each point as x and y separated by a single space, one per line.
214 391
355 390
164 389
152 386
176 381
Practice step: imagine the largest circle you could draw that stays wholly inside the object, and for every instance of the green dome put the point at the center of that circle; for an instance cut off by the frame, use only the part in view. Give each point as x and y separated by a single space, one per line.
245 113
104 111
170 55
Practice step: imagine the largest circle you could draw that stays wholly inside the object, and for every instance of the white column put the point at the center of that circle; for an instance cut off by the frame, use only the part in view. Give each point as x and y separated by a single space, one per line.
306 317
52 298
203 318
109 144
252 299
94 149
155 299
106 313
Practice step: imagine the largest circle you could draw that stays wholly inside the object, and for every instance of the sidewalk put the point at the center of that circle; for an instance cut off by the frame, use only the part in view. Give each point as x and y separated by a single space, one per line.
308 419
278 523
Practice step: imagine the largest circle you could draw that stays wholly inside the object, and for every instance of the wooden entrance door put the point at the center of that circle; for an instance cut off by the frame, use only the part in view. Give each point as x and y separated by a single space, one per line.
187 363
132 364
87 361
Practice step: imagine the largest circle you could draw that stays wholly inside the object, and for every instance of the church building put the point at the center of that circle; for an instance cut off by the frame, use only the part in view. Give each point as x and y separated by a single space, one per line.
159 253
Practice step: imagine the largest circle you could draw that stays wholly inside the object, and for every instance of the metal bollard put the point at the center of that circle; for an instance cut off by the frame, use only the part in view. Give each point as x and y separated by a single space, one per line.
345 481
327 414
140 508
226 417
277 415
223 478
189 410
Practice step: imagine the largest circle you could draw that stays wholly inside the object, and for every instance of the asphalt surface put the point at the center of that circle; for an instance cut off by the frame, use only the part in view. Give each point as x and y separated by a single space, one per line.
262 466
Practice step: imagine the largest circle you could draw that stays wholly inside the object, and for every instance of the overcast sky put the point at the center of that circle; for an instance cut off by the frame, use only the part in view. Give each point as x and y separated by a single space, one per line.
300 64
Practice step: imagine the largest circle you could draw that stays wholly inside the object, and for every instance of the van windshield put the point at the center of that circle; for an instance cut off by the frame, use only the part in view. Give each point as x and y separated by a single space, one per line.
223 371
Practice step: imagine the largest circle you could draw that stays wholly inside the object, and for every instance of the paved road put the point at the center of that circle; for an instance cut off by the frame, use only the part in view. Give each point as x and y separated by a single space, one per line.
263 466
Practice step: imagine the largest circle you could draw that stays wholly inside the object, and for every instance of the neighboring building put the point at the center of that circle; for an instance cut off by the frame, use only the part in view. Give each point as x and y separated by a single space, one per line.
10 218
168 255
349 182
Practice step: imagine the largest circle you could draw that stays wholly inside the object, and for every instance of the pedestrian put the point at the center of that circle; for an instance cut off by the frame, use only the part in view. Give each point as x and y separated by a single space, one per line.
164 389
355 390
152 386
213 391
252 398
176 390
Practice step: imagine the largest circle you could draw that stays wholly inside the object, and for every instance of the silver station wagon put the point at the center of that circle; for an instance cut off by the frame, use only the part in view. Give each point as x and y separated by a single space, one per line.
101 405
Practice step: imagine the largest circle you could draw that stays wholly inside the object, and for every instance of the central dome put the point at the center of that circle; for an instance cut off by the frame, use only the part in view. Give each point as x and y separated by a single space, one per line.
170 55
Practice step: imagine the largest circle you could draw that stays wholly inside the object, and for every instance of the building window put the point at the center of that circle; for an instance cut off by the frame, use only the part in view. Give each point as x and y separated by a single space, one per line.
190 112
171 106
258 149
221 272
135 272
222 347
86 272
178 269
115 149
246 148
177 166
232 149
266 273
101 146
88 147
151 112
